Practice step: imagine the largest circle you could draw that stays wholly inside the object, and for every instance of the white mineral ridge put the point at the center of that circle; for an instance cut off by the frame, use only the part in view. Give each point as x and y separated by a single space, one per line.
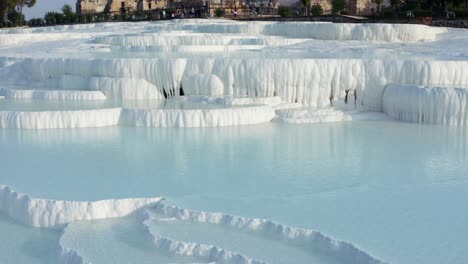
48 213
421 104
55 95
324 115
18 39
186 48
185 40
147 117
203 84
198 117
125 88
239 101
60 119
310 239
330 31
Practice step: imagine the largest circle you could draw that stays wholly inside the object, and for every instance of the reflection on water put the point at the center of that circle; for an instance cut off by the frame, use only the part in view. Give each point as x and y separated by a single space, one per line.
316 158
371 183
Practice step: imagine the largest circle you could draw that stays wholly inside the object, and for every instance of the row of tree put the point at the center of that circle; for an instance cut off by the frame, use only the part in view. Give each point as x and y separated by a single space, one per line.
15 7
395 9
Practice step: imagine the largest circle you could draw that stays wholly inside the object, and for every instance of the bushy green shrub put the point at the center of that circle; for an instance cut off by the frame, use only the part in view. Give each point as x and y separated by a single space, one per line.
15 18
461 12
219 12
80 19
316 10
54 18
338 6
36 22
285 11
422 13
388 12
69 15
169 12
89 18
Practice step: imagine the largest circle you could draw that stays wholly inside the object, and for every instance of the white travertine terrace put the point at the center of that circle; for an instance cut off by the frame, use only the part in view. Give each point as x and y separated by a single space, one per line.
48 213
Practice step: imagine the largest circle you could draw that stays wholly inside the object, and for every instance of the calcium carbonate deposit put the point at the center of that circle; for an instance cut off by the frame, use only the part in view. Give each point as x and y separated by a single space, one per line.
96 83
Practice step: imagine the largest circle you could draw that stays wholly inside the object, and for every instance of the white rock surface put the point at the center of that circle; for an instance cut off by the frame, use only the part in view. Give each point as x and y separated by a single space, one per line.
436 105
313 82
125 88
197 118
55 95
313 240
60 119
47 213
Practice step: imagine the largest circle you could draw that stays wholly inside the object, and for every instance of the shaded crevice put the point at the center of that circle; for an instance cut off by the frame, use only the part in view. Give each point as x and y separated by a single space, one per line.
164 93
181 90
346 96
355 97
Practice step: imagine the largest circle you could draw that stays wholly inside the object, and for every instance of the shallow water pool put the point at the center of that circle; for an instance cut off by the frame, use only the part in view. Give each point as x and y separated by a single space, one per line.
394 190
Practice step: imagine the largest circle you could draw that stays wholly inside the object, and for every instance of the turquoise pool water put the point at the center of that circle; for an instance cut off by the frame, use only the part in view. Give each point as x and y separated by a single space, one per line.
395 190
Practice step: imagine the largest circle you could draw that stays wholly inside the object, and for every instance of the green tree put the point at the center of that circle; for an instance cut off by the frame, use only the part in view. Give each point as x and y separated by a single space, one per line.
54 18
7 6
68 13
219 12
316 10
379 5
20 4
285 11
15 17
338 6
306 4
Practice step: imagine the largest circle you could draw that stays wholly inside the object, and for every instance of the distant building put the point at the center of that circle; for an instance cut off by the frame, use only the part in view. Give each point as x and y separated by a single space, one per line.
355 7
99 6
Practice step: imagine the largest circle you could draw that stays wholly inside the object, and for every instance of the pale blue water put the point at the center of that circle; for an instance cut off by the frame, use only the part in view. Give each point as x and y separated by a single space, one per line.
395 190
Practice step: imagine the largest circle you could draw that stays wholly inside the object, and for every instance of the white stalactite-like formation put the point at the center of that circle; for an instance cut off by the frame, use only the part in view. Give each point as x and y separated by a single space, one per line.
60 119
125 88
327 72
265 64
420 104
247 115
197 118
313 82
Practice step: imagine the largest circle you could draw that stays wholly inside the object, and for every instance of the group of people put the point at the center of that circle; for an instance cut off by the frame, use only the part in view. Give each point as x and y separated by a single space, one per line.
182 13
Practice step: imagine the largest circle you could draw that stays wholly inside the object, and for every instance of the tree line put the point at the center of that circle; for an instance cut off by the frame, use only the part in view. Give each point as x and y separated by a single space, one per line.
396 8
12 11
